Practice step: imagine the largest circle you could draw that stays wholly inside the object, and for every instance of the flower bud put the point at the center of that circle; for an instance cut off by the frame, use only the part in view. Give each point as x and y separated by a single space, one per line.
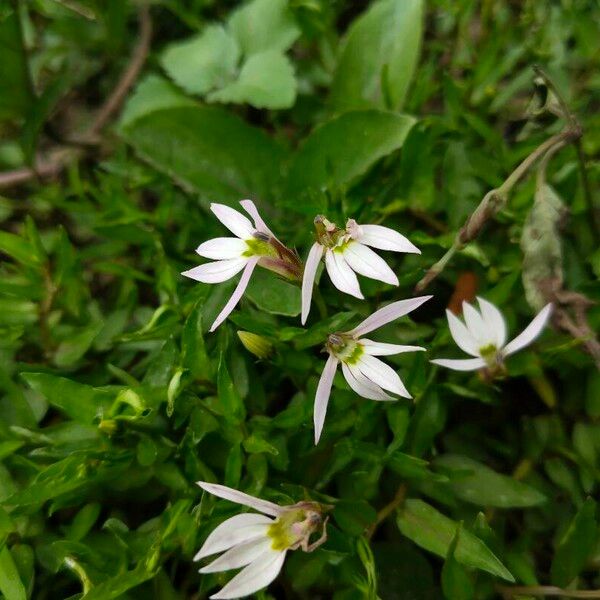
256 344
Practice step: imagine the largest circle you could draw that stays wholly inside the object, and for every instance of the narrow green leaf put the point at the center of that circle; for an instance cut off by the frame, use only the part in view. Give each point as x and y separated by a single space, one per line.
10 583
231 402
456 583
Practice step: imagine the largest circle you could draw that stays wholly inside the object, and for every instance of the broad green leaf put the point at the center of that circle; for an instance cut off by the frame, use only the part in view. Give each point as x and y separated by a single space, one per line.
209 151
10 582
151 94
339 151
541 245
204 62
231 402
274 295
115 587
19 248
78 401
474 482
456 583
72 349
264 25
266 80
195 358
434 532
354 516
379 56
16 94
576 545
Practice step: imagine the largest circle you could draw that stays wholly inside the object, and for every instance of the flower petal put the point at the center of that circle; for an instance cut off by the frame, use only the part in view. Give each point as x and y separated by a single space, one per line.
308 279
365 262
227 493
530 332
237 293
255 576
466 364
236 530
259 224
218 271
381 349
322 395
477 326
381 374
494 321
462 336
341 275
235 221
361 385
385 238
222 248
387 314
239 556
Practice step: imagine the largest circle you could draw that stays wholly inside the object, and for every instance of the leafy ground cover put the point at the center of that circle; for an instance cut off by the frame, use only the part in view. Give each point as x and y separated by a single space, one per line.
470 127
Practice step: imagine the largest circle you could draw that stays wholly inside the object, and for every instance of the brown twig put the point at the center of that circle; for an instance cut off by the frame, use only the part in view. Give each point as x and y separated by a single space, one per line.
497 198
545 590
388 509
58 158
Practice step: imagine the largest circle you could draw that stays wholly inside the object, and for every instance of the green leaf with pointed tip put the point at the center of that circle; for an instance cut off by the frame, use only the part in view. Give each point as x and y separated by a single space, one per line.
274 295
434 532
10 582
379 56
340 150
476 483
456 583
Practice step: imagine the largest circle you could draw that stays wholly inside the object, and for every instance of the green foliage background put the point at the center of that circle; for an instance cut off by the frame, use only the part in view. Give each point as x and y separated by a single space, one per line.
115 400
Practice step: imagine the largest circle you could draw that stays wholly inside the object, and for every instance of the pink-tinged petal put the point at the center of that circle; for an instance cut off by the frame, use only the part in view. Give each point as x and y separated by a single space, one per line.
235 221
227 493
322 395
341 275
462 336
256 576
308 279
237 293
236 530
260 225
477 327
494 321
222 248
381 374
365 262
239 556
362 386
381 349
530 332
387 314
218 271
466 364
384 238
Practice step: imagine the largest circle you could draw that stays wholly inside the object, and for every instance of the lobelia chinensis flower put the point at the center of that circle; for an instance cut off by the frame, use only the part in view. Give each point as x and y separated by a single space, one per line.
254 244
483 335
259 542
348 251
366 375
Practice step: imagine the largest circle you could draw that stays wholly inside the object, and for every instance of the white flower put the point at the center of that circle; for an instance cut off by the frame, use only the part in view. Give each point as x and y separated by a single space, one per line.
483 335
347 252
258 542
366 375
254 244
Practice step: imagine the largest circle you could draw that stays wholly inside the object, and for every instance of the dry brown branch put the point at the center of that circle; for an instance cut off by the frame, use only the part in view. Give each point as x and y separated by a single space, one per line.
58 158
545 590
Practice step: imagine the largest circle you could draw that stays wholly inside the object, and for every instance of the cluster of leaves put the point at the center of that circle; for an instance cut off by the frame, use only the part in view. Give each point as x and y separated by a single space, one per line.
114 398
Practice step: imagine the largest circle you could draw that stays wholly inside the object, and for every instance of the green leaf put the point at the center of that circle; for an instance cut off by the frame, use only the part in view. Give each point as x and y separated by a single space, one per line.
456 583
274 295
19 248
80 402
576 545
265 81
474 482
115 587
264 25
73 348
208 150
231 402
151 94
354 516
10 583
434 532
379 57
339 151
16 95
204 62
195 358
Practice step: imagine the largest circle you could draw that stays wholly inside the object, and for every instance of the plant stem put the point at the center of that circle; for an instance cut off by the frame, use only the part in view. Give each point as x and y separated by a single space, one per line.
546 590
388 509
